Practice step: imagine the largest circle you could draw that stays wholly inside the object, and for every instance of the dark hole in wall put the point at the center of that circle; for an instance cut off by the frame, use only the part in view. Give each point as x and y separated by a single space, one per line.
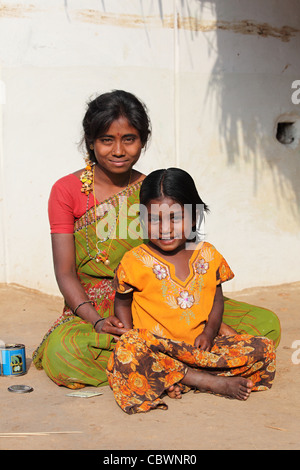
285 133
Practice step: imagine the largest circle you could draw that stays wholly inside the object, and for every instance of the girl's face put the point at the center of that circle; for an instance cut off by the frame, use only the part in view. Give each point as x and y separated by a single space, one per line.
168 224
119 148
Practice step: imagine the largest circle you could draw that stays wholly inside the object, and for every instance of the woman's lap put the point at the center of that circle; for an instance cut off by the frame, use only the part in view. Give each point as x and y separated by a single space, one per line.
252 320
75 355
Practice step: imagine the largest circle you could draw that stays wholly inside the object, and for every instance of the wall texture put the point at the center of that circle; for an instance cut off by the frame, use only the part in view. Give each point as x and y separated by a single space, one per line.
216 76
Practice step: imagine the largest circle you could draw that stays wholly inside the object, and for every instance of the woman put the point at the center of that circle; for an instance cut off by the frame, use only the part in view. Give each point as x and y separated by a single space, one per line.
87 210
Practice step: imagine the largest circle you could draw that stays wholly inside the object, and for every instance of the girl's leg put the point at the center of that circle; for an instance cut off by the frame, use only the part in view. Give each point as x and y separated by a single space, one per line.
144 366
231 387
174 391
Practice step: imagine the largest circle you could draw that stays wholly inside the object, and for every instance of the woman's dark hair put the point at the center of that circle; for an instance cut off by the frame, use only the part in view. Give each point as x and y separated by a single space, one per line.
176 184
106 108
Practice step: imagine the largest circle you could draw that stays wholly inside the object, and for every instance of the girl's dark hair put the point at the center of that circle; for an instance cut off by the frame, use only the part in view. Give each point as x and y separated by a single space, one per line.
176 184
106 108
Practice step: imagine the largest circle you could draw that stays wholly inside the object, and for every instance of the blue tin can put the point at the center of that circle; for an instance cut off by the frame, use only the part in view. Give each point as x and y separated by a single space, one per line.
13 359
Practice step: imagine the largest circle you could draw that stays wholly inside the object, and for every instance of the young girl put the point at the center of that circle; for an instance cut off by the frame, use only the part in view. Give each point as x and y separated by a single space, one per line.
169 296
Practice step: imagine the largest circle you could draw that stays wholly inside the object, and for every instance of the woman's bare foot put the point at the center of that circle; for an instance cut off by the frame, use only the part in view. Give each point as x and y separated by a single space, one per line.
232 387
174 391
226 330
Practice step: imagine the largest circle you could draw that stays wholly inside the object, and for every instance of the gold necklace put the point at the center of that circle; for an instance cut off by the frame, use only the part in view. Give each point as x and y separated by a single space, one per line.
88 180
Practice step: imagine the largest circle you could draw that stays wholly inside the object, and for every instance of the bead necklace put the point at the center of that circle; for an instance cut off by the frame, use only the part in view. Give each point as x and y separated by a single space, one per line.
88 186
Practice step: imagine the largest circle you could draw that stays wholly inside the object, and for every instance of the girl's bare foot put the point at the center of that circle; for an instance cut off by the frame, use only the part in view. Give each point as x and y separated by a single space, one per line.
174 391
232 387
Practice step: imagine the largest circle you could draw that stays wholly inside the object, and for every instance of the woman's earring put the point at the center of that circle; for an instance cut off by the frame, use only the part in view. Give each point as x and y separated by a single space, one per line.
91 147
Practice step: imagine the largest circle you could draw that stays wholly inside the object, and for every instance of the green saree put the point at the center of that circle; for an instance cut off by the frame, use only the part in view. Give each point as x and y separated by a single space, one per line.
252 320
71 353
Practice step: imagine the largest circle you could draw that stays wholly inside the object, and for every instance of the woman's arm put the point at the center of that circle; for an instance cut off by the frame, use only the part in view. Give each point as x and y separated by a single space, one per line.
123 308
205 340
63 249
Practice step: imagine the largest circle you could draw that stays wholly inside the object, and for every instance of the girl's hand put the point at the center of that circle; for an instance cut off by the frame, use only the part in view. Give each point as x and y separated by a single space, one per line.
112 326
203 342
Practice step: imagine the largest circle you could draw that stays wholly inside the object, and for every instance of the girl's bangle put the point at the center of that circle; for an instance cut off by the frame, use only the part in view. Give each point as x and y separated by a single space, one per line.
100 319
82 303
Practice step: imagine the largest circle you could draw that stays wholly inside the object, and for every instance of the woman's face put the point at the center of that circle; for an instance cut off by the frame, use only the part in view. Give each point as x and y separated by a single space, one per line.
168 224
119 148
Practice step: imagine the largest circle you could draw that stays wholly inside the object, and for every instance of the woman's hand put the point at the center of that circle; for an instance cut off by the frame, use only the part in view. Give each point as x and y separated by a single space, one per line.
112 326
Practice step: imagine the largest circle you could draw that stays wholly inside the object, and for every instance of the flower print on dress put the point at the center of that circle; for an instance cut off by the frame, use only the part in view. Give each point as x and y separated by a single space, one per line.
160 272
185 300
202 266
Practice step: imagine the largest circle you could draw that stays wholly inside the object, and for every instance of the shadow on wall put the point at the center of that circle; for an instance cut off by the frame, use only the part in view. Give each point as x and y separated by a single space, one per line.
251 79
252 83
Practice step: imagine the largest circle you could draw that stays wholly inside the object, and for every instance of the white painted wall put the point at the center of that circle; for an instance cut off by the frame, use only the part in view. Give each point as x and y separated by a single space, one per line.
214 86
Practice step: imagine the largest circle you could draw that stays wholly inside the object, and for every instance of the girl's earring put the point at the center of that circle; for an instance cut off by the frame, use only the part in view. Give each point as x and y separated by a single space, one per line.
91 147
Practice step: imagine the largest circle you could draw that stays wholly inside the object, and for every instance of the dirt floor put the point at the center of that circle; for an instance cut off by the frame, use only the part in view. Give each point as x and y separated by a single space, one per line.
48 419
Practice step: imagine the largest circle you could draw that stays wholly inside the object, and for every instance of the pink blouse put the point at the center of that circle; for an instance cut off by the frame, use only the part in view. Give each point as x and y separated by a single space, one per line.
66 204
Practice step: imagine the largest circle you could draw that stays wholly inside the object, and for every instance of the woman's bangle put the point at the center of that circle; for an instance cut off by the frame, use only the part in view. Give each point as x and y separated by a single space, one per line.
100 319
82 303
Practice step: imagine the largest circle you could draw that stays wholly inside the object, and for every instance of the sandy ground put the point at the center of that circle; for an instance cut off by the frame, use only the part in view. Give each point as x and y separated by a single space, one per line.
48 419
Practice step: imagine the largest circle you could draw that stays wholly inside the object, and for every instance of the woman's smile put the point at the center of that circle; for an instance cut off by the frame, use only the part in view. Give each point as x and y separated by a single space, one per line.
119 148
118 163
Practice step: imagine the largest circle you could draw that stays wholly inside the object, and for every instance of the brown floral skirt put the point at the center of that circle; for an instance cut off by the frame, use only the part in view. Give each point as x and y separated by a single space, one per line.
143 365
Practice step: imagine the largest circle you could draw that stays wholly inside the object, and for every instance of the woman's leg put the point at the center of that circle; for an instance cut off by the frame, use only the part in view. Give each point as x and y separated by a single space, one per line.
75 355
252 320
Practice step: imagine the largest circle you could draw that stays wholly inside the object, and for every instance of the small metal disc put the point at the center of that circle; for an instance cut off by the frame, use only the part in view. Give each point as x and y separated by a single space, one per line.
20 388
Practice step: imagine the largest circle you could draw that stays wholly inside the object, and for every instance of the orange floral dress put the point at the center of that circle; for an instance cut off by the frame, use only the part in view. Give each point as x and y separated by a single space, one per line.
168 314
164 304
